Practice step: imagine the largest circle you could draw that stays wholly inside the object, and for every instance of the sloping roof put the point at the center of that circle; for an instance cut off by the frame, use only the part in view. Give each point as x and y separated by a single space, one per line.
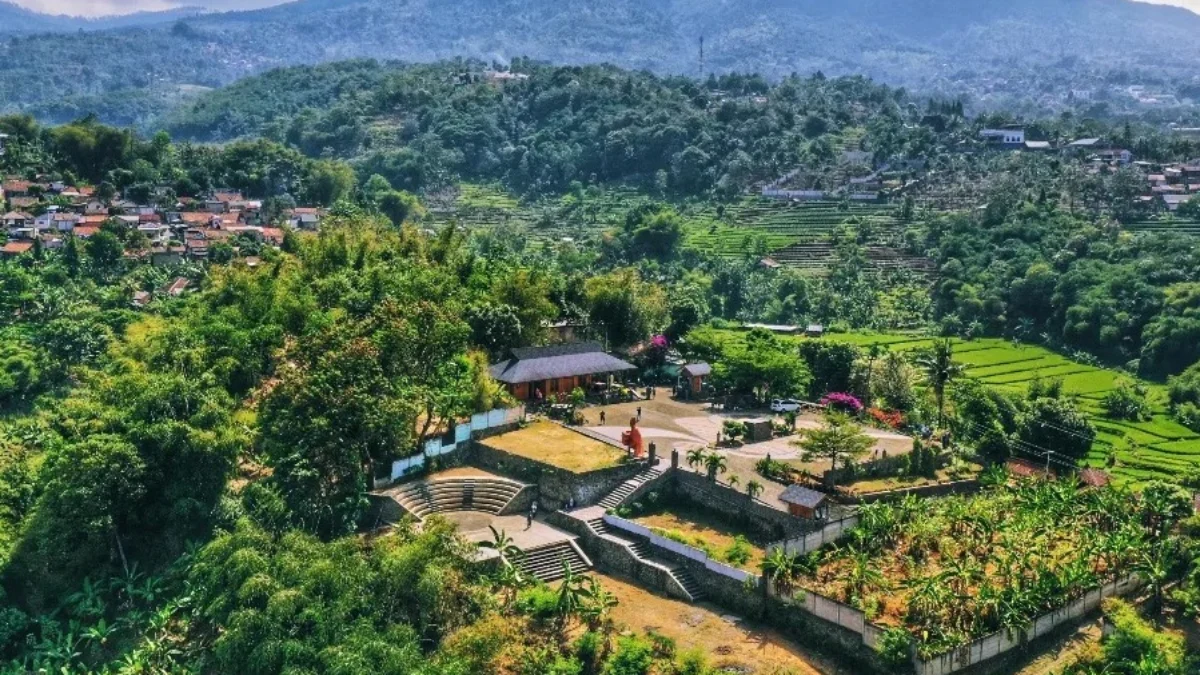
533 364
802 496
697 369
1084 142
16 247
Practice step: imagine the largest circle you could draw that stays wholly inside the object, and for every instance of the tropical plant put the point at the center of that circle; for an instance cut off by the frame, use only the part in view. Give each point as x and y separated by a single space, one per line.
940 370
754 489
715 463
838 438
696 457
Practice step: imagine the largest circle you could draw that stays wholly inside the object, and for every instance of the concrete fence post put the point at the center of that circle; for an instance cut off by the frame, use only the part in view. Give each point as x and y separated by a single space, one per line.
674 458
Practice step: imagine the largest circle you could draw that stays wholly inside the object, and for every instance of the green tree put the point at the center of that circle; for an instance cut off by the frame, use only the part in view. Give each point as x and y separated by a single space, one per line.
838 437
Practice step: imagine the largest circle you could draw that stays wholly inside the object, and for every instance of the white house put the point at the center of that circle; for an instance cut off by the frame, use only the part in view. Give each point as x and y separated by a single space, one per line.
1004 137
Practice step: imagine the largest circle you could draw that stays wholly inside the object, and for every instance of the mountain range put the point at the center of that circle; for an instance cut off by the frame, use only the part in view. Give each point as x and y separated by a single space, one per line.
17 19
981 48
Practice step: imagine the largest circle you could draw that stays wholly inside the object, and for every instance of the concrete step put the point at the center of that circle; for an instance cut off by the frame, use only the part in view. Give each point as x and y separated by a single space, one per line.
598 526
688 583
546 563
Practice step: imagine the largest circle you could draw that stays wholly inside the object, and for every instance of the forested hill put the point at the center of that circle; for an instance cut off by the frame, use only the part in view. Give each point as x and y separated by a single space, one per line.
989 48
17 19
552 125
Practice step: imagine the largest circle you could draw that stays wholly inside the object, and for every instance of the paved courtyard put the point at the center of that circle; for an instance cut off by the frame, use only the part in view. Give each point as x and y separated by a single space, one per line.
686 425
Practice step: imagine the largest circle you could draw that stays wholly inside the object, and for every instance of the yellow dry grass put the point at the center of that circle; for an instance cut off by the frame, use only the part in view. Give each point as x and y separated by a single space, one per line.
558 446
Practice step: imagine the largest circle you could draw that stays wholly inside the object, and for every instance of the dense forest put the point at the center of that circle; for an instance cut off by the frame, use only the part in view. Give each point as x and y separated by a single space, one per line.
1025 55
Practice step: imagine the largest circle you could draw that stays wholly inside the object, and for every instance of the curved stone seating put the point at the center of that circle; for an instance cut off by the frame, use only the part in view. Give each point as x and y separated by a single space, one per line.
484 494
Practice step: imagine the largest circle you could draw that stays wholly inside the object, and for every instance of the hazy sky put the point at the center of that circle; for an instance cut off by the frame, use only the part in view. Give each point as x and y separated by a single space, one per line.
102 7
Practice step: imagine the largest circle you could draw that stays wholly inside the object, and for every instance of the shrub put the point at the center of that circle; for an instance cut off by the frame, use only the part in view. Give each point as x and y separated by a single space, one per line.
539 603
894 647
843 402
733 429
738 552
634 656
1188 415
891 419
692 662
589 648
1127 402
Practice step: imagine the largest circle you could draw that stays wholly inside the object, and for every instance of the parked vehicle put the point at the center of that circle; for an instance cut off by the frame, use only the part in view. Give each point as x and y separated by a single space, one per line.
785 405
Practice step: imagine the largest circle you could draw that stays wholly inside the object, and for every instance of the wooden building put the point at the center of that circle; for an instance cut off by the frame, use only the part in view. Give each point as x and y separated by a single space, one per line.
543 373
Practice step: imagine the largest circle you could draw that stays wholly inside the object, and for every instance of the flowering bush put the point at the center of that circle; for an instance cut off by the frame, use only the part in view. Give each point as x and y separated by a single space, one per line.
892 420
844 402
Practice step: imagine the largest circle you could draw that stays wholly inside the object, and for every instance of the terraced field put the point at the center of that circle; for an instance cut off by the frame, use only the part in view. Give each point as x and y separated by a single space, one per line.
1188 227
1159 448
749 227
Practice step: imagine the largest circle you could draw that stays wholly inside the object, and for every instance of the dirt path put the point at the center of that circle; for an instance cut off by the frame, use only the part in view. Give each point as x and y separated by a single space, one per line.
727 641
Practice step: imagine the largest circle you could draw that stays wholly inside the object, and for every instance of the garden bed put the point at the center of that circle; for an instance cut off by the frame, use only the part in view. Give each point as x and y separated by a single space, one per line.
700 528
954 569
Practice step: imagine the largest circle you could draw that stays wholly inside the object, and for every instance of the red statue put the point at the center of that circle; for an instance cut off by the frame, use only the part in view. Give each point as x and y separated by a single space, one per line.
632 439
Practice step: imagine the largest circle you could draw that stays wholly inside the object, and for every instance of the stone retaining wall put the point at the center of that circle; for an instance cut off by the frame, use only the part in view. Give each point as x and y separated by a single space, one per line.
770 524
555 486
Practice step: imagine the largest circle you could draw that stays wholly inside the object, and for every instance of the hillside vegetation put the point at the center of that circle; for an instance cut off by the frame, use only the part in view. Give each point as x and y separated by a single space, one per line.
999 53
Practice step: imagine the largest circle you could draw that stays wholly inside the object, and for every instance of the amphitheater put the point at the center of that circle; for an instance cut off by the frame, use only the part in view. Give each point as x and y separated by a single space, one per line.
478 501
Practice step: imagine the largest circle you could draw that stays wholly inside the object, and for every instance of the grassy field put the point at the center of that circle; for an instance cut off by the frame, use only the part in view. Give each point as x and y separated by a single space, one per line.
704 530
1158 448
558 446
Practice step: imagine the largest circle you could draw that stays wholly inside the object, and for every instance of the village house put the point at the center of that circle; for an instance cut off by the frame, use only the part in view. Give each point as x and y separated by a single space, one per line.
1004 138
15 219
13 249
541 373
694 375
304 218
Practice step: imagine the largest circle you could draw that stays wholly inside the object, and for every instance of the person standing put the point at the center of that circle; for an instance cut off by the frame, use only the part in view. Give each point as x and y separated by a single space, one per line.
602 418
639 413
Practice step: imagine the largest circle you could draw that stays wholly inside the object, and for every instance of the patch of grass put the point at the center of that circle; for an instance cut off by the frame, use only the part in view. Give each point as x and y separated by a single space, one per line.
707 531
558 446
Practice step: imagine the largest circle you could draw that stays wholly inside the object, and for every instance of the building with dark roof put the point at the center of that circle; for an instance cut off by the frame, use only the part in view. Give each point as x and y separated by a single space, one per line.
694 374
556 369
805 502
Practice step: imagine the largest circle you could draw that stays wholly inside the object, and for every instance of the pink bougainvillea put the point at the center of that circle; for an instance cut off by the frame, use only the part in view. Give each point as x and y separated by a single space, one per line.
843 401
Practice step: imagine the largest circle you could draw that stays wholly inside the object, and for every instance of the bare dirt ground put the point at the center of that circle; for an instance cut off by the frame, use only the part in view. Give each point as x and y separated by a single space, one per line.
729 642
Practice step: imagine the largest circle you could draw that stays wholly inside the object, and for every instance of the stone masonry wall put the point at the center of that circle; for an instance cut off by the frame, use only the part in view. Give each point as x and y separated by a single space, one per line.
769 523
555 486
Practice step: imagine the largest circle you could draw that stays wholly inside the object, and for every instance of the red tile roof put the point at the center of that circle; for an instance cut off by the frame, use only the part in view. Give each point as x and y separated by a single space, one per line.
16 247
85 231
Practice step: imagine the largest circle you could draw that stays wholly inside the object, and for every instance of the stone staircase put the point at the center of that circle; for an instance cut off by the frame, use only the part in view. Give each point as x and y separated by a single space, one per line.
546 562
643 552
688 582
614 499
482 493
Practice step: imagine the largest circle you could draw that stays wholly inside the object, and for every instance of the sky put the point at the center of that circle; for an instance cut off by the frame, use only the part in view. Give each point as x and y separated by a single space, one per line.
104 7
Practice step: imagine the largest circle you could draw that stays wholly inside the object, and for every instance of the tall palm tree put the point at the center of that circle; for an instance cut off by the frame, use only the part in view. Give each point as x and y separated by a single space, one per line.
940 370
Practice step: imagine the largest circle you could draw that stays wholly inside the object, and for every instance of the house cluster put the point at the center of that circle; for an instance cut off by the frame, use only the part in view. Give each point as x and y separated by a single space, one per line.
48 212
1096 151
1169 186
